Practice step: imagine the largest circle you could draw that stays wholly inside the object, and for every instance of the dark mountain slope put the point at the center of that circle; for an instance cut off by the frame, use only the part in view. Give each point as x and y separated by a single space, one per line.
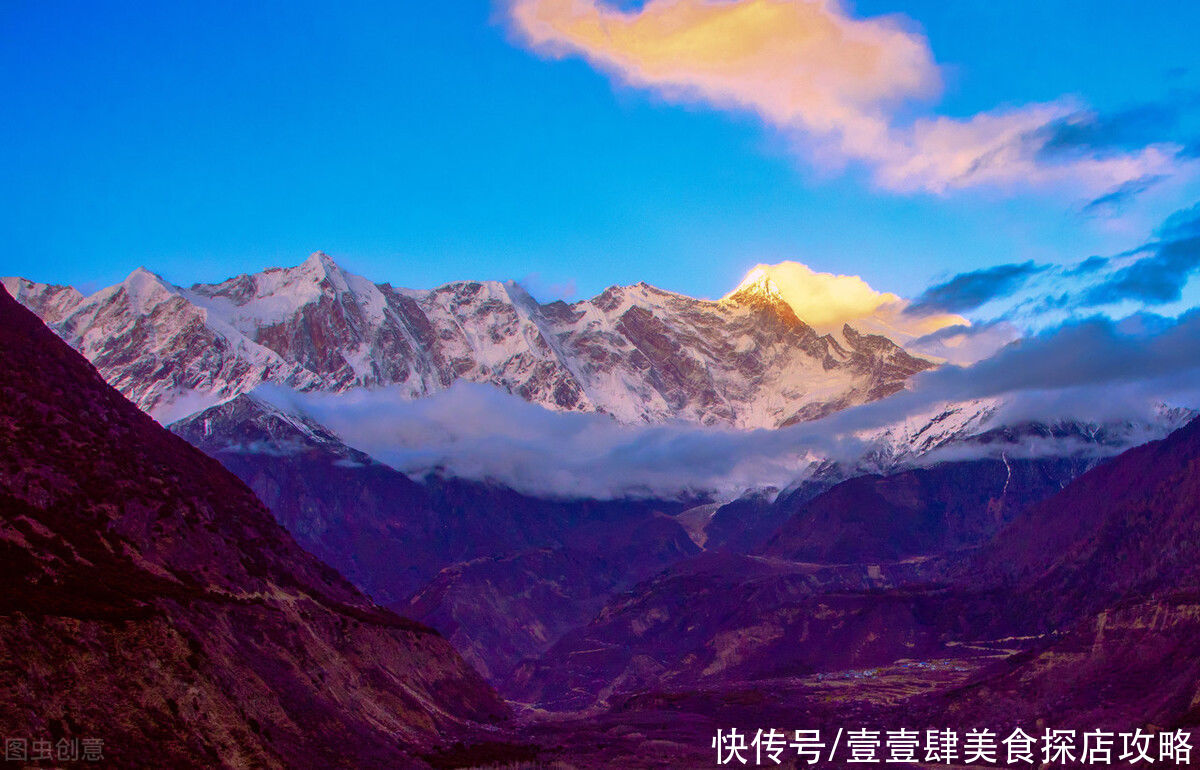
1112 564
503 575
151 601
372 523
853 579
1129 528
918 512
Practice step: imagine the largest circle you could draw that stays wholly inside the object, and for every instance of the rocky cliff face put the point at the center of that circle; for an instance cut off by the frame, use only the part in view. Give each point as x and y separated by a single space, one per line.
151 601
636 352
1133 665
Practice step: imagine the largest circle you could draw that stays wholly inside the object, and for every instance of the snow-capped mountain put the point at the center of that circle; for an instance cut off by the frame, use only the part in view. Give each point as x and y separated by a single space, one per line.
985 428
638 353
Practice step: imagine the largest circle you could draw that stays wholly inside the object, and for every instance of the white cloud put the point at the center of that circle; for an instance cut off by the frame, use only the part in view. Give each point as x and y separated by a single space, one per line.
836 83
963 345
479 432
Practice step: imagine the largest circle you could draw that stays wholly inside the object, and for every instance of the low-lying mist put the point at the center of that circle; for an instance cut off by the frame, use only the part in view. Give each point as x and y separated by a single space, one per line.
1096 372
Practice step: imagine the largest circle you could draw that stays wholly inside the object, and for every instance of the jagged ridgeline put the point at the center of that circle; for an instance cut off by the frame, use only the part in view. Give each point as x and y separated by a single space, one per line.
753 359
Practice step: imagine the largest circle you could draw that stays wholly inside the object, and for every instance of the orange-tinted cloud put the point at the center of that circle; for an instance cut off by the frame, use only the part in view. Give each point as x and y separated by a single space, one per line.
792 62
835 82
826 301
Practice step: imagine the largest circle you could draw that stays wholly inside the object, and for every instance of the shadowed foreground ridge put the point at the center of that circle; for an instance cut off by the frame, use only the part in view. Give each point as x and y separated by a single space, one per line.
153 602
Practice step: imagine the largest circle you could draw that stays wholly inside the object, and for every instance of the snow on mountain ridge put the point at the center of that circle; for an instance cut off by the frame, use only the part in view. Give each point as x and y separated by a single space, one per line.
249 301
47 300
638 353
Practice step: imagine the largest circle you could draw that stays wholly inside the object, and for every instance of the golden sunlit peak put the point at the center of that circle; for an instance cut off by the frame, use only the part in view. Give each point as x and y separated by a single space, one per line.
819 299
826 301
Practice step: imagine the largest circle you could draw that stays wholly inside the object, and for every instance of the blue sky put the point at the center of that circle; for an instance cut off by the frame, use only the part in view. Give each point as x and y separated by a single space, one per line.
420 143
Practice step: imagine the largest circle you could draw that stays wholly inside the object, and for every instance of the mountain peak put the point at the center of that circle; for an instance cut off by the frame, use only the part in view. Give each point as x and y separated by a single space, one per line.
322 260
144 289
321 265
823 300
16 286
142 280
639 353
